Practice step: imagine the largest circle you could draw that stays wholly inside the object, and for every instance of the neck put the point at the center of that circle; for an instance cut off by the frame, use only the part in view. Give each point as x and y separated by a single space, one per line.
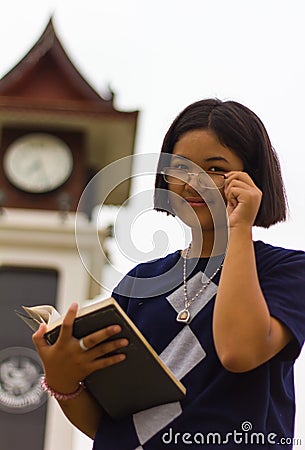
203 245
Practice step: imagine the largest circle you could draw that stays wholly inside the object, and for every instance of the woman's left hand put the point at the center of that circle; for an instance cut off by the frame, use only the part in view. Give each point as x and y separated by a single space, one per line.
243 199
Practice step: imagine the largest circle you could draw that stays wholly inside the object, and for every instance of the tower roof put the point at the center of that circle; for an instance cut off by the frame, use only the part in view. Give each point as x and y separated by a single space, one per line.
46 73
45 90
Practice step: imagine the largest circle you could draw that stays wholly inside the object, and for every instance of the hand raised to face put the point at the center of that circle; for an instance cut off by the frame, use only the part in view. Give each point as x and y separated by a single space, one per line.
243 199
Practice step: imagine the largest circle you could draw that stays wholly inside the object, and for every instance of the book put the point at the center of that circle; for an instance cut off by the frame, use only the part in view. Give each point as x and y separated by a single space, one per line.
139 382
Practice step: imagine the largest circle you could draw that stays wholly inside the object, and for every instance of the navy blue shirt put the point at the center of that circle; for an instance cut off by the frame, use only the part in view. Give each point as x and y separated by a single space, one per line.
222 410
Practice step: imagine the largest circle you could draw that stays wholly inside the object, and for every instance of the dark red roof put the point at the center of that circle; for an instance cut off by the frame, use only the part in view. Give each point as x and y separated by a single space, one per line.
47 75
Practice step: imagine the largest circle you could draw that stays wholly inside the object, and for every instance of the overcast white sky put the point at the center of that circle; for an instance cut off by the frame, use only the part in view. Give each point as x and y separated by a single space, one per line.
161 55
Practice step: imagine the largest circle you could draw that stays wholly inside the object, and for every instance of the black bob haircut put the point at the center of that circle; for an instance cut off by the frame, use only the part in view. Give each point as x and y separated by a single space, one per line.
239 129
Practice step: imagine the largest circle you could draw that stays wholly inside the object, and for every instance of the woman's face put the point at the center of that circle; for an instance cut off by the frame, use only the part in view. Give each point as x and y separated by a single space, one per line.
189 201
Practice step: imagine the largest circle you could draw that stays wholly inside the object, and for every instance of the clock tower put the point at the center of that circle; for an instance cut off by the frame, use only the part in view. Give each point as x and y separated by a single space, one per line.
56 133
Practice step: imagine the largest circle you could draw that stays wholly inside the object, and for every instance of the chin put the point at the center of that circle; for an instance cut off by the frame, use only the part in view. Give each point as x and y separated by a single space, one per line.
197 220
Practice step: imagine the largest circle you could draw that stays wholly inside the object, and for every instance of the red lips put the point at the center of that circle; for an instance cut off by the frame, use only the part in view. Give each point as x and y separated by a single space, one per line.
195 201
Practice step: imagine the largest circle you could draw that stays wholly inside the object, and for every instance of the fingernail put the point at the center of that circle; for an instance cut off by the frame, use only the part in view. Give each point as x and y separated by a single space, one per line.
116 329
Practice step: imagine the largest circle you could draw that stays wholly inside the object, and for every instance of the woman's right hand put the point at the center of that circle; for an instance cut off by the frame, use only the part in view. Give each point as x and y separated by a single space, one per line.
66 364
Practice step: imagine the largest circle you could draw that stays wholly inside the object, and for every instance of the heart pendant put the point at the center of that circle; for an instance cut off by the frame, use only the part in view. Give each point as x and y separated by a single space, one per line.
184 316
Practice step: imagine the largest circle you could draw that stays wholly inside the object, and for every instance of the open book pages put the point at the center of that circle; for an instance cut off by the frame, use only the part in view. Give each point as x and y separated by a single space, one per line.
35 315
43 313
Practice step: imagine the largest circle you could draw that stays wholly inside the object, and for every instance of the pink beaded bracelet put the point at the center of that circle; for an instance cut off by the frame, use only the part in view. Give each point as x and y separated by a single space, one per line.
59 395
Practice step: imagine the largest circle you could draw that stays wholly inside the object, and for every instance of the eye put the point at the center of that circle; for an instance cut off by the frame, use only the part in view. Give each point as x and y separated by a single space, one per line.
180 166
216 169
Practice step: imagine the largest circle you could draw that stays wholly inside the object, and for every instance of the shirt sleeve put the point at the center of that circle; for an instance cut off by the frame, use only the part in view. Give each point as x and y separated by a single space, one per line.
283 285
122 291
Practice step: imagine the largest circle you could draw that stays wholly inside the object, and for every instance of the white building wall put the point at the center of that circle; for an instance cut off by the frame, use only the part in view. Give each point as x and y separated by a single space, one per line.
42 239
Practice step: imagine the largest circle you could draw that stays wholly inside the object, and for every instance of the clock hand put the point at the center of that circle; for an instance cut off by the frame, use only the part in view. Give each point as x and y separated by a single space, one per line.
37 168
36 165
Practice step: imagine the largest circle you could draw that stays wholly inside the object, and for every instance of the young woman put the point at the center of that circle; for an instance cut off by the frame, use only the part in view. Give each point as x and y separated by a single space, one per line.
226 314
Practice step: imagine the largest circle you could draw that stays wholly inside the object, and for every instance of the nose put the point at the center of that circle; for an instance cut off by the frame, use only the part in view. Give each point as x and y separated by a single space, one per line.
193 182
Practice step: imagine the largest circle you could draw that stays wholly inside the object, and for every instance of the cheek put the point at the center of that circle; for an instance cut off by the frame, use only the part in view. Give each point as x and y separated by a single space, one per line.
222 191
191 217
175 196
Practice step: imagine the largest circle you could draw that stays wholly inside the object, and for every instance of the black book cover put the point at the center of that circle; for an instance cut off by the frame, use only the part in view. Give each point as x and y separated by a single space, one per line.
139 382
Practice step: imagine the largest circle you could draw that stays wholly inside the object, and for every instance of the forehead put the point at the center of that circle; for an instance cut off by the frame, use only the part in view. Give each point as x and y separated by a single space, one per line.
203 145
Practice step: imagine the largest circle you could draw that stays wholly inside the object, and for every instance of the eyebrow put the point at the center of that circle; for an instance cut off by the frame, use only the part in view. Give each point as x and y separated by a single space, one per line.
216 158
211 159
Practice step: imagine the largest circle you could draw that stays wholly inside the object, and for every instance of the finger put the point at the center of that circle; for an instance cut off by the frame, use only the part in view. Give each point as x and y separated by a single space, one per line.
102 335
240 182
66 328
38 338
237 195
243 193
232 203
240 194
241 176
108 361
108 347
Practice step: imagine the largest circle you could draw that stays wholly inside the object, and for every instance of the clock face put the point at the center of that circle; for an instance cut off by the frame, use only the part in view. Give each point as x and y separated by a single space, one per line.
38 162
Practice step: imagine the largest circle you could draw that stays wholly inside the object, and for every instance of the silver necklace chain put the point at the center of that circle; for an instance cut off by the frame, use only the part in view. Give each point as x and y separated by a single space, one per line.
184 315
